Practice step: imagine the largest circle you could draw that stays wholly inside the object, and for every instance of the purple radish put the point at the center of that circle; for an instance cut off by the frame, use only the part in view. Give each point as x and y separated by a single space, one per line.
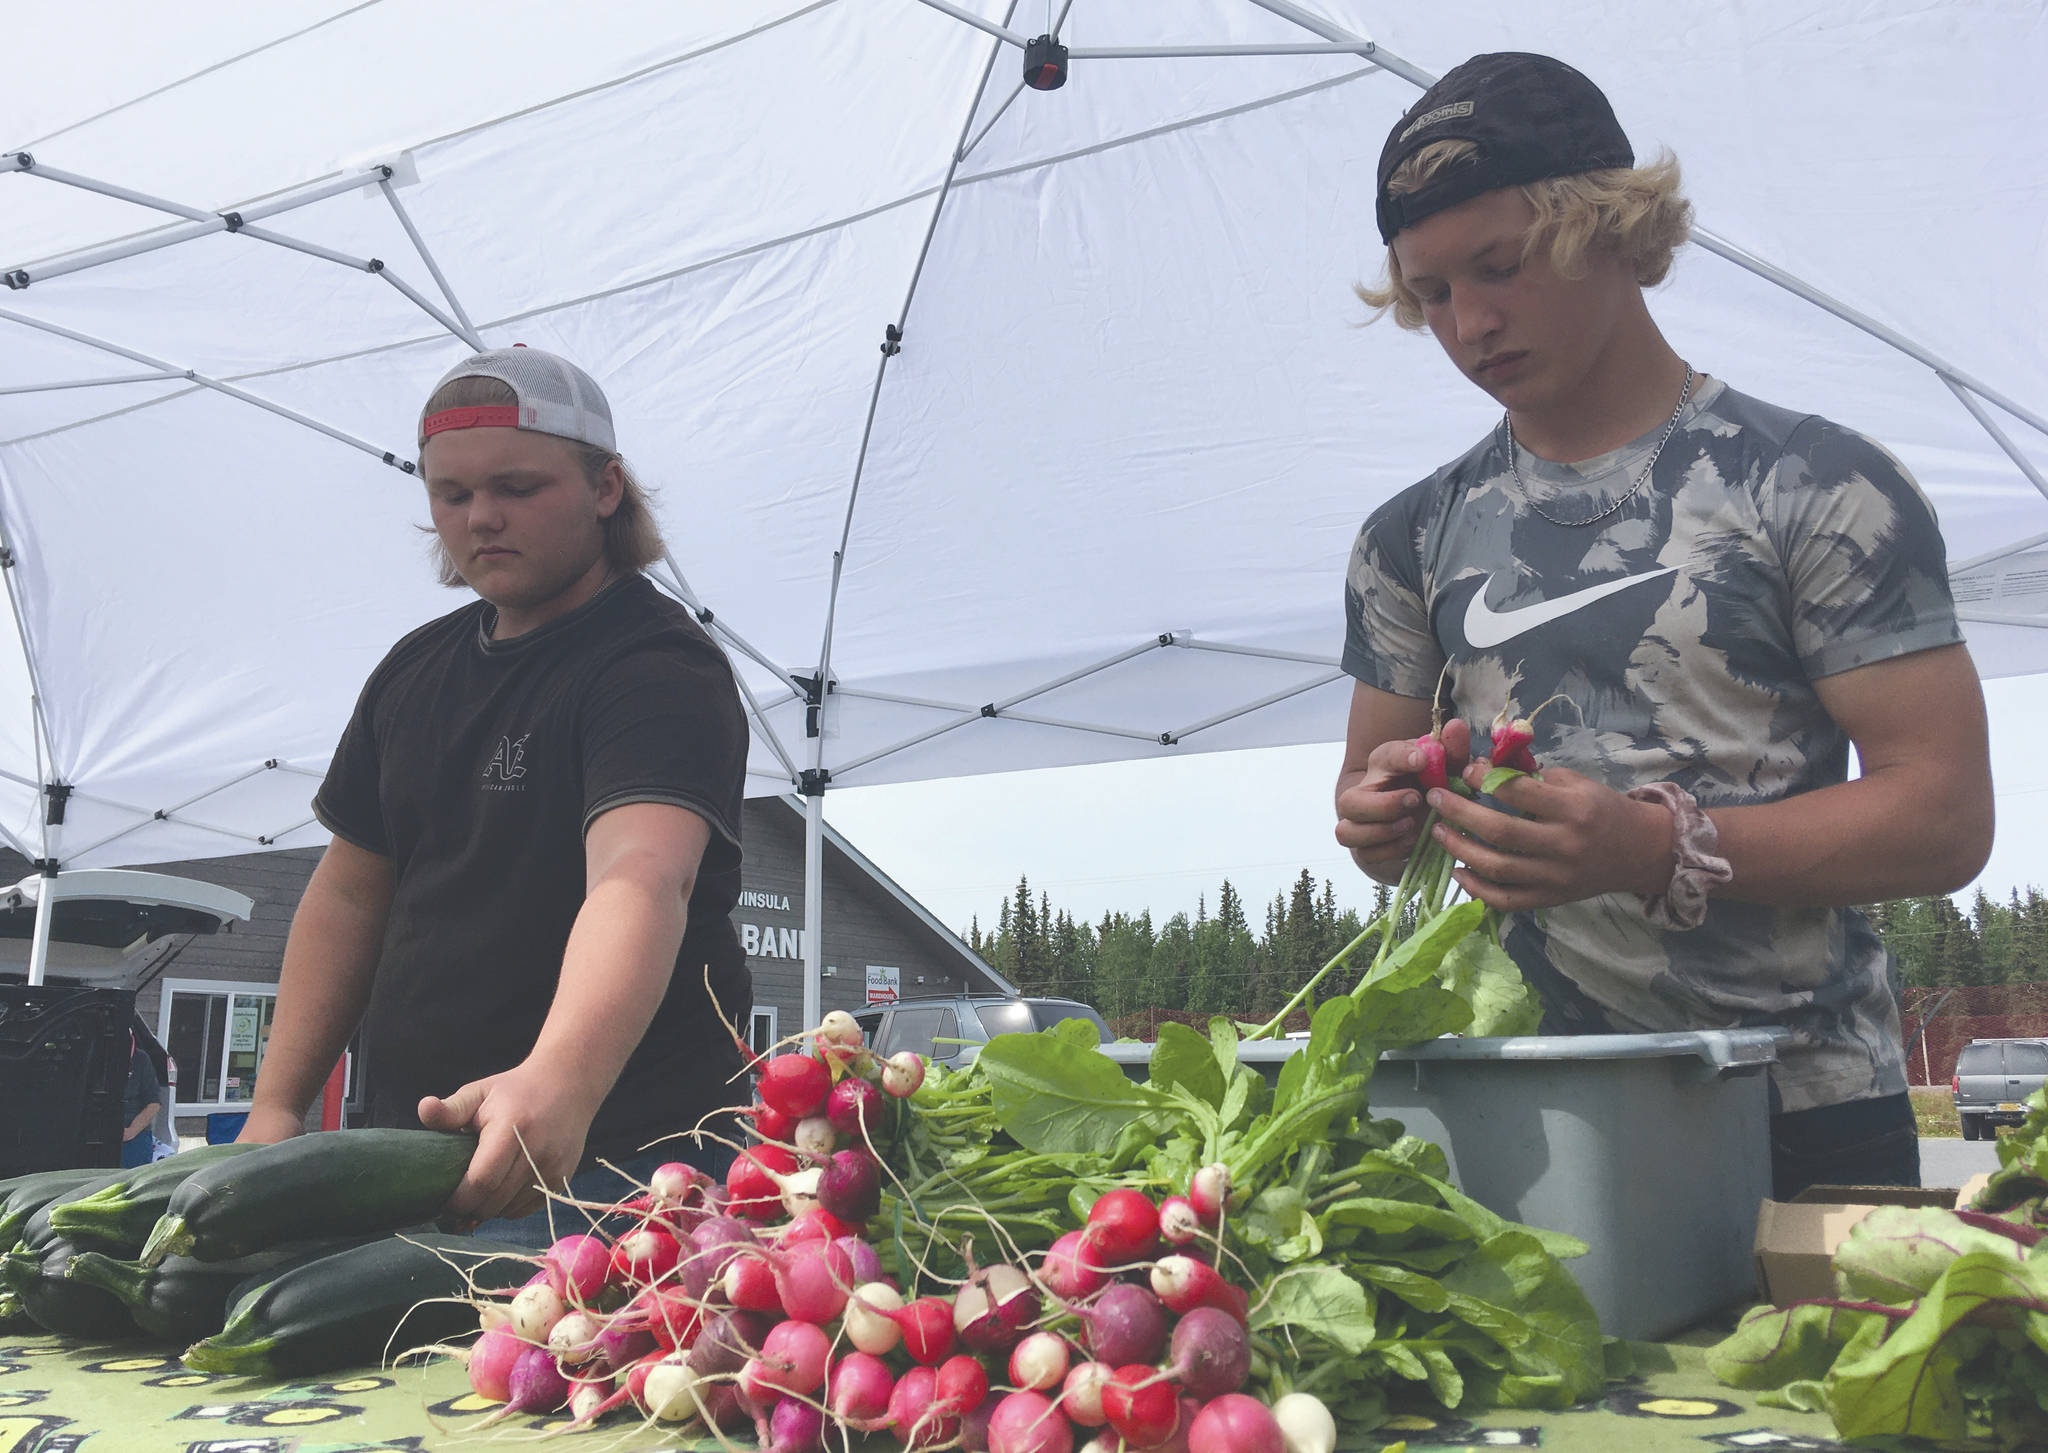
974 1427
623 1346
850 1186
794 1427
854 1106
994 1310
1211 1355
1126 1324
536 1384
714 1243
725 1342
867 1265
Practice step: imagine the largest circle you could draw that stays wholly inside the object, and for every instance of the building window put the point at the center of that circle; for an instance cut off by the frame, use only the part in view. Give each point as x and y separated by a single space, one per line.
761 1034
217 1032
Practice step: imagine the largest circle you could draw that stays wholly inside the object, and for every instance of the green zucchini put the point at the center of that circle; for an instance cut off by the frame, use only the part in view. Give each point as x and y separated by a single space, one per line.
362 1306
126 1211
12 1317
181 1300
58 1304
329 1183
26 1195
37 1232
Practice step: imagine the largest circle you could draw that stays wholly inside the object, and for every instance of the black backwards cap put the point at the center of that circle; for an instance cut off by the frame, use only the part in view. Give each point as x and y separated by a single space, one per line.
1530 116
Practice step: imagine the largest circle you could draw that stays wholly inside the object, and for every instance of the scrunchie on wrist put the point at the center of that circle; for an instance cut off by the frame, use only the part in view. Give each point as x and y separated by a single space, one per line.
1696 869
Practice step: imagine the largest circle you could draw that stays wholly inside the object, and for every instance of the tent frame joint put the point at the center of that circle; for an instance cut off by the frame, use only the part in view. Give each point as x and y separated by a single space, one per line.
892 340
813 781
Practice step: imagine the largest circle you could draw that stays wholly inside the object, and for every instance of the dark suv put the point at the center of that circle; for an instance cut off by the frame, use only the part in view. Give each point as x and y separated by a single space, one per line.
1993 1078
924 1024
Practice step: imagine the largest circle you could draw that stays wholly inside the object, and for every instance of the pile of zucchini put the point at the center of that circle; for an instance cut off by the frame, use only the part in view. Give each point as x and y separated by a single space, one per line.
311 1255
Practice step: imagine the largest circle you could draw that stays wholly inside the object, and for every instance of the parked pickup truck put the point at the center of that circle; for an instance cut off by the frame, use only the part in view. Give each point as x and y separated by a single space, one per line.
926 1024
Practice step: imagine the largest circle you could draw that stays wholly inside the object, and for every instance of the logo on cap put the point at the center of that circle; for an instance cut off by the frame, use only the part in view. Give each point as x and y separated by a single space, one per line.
1442 113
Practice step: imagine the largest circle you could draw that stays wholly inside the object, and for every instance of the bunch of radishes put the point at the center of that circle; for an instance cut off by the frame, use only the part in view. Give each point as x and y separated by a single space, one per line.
760 1304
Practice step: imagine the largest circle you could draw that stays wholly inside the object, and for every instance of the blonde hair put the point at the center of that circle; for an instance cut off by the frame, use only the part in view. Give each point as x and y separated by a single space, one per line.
632 538
1634 213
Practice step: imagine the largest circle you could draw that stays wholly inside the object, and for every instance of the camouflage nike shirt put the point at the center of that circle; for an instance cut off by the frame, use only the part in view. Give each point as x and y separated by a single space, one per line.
1685 631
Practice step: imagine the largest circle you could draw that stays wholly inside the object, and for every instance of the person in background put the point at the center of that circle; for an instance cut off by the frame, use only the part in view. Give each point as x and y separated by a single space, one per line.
1703 601
535 809
140 1103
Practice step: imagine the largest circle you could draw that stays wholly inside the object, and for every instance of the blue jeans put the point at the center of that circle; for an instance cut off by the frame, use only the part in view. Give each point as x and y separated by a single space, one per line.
1860 1143
605 1186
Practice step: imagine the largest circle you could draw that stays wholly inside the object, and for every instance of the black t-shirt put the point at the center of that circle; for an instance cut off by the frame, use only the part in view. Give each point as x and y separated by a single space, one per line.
143 1087
476 766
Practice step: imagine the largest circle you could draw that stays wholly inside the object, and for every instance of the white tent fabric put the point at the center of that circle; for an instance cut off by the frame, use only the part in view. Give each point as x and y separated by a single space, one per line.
1132 427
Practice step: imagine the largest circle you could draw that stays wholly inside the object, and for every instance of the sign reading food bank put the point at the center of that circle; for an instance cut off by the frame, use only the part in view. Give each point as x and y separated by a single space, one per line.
885 984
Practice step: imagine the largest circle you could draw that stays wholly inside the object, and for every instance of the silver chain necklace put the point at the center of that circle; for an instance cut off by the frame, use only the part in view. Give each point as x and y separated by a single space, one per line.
1515 464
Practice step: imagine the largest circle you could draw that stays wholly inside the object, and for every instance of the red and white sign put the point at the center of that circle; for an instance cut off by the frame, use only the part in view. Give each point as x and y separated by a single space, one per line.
885 985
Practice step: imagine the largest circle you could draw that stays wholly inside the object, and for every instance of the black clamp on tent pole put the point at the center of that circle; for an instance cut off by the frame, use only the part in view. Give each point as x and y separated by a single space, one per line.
814 702
892 340
55 795
811 781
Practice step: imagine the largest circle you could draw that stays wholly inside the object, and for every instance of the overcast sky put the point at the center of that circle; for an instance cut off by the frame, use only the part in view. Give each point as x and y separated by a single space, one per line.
1156 834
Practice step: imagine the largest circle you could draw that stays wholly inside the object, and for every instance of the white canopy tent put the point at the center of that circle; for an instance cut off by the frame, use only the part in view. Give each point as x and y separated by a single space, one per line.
998 428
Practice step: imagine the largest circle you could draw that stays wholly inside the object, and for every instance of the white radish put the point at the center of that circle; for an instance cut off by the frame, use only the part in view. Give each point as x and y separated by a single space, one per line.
815 1137
573 1339
1305 1424
800 1192
868 1326
670 1390
535 1310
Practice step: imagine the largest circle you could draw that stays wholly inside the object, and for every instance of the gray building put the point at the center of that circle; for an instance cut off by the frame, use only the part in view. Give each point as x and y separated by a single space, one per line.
210 995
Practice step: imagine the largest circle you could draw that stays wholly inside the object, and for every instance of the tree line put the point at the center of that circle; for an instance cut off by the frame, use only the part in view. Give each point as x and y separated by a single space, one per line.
1217 962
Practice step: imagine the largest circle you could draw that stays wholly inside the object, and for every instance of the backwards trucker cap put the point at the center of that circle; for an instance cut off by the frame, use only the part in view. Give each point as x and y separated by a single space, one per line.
555 397
1530 116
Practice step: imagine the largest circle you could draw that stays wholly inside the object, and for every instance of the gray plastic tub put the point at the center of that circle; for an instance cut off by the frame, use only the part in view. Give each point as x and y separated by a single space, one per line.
1653 1149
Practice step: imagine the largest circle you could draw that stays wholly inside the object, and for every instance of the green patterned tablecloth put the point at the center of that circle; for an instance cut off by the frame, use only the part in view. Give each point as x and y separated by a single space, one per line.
56 1397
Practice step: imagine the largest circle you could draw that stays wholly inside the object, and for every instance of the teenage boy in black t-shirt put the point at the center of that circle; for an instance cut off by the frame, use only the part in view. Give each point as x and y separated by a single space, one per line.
535 809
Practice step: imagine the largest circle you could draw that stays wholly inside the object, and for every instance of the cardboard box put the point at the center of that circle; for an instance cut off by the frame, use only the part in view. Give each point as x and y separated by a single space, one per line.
1796 1240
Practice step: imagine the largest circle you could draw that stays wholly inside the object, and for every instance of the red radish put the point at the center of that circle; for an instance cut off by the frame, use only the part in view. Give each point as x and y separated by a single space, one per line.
1125 1324
818 1225
535 1310
1177 1440
871 1318
1039 1362
754 1182
793 1357
1142 1410
1521 759
1209 1192
1429 771
910 1408
854 1108
902 1074
1235 1423
749 1284
795 1084
1510 736
815 1138
1305 1424
490 1365
1081 1393
1185 1284
1026 1422
959 1387
811 1282
858 1391
644 1256
1071 1271
536 1384
1210 1353
1178 1222
577 1267
1123 1226
927 1327
850 1185
771 1124
993 1310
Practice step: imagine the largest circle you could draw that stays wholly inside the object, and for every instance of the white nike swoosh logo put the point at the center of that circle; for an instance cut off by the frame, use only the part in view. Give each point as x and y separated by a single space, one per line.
1486 628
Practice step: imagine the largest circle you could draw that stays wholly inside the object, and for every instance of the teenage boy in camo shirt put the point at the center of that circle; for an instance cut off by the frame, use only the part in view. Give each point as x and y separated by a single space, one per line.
535 811
1727 595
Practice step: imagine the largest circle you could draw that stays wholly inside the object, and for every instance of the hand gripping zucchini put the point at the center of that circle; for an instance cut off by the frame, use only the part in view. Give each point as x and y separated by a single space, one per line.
58 1304
329 1183
181 1300
26 1195
359 1307
126 1211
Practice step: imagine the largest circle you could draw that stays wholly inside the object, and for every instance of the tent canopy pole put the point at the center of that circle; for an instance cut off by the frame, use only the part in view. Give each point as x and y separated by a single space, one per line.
39 945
